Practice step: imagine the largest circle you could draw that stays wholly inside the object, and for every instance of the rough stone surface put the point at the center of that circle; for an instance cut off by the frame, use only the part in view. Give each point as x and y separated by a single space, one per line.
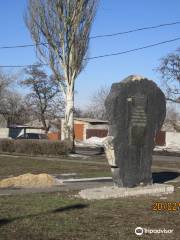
109 150
117 192
29 180
136 109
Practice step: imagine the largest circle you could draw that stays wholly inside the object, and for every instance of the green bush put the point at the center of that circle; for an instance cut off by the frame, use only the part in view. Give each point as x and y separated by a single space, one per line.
34 147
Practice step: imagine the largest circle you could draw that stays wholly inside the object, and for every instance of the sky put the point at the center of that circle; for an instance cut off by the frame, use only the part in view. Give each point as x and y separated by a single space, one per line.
112 16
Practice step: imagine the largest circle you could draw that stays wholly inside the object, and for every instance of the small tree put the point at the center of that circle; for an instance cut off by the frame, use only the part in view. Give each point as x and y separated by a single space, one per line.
44 90
170 72
60 30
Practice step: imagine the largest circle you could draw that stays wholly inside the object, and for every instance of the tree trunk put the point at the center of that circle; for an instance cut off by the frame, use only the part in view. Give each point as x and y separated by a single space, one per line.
68 127
43 120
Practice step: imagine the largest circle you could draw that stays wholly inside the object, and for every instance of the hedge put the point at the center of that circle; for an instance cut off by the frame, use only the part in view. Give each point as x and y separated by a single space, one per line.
34 147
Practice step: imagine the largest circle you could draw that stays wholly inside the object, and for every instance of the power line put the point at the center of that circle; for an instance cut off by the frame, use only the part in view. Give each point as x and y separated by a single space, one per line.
135 30
22 66
100 56
134 50
23 46
99 36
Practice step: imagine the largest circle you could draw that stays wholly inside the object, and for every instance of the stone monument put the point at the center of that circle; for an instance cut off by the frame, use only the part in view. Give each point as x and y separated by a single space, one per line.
136 109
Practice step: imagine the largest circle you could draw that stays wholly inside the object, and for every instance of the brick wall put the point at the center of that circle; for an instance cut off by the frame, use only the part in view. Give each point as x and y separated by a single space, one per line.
79 131
54 136
160 139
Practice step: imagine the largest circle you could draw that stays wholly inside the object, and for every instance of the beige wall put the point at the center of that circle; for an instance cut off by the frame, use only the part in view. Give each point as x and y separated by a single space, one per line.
4 132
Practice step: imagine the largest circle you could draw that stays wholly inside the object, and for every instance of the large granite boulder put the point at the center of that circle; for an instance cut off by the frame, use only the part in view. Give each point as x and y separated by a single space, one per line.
136 109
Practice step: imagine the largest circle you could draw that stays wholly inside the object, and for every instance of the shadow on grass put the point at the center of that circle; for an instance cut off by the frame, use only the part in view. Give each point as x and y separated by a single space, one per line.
161 177
5 221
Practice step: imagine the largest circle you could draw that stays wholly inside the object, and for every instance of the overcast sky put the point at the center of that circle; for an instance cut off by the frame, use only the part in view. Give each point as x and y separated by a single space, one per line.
112 16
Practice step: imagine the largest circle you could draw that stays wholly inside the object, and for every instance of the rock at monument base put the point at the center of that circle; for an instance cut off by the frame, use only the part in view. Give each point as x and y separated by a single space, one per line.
29 180
136 109
118 192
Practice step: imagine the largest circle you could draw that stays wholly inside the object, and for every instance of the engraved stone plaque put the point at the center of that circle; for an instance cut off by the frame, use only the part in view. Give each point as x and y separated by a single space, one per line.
138 120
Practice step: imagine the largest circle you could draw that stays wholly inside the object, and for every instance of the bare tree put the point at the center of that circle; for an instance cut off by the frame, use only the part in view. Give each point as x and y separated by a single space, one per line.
96 108
12 104
16 108
170 72
60 30
172 115
5 81
44 91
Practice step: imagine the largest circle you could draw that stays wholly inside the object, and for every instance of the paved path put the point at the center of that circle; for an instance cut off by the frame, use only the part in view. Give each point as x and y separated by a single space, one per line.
65 187
166 158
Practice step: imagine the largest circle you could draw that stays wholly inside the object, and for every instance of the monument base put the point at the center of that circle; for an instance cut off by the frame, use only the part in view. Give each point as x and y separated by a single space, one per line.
116 192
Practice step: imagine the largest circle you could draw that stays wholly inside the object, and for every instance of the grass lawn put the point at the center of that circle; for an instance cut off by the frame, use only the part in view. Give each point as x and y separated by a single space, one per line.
20 165
62 216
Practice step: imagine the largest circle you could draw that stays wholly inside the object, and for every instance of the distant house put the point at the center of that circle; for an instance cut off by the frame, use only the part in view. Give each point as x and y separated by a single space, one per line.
54 128
15 130
19 130
85 128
